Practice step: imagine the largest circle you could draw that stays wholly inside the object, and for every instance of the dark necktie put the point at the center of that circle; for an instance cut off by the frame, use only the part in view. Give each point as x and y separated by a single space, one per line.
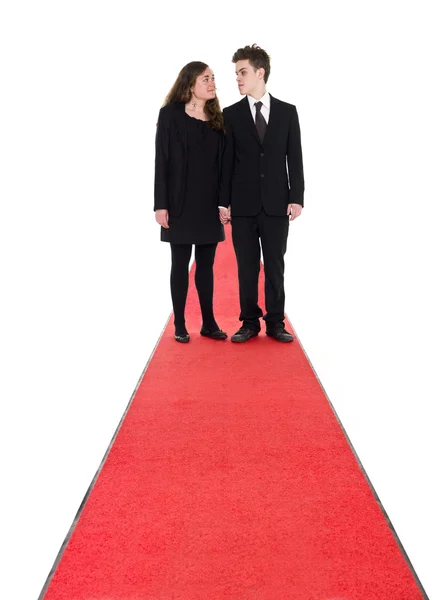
260 122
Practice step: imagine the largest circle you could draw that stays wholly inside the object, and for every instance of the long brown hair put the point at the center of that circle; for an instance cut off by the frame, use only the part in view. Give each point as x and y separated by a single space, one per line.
181 92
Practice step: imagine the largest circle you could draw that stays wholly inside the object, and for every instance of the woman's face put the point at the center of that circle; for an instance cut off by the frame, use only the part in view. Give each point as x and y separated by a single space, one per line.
204 88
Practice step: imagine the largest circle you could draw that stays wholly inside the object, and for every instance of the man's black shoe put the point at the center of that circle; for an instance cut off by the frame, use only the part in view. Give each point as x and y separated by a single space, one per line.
280 334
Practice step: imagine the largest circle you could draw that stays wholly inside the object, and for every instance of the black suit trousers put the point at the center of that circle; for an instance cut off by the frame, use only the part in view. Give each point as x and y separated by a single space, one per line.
247 233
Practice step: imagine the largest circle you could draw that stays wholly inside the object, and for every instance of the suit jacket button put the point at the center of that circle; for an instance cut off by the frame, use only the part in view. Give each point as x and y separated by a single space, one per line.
262 175
262 153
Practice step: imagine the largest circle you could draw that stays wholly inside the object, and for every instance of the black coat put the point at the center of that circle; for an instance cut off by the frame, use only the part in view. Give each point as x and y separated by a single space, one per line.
171 158
255 175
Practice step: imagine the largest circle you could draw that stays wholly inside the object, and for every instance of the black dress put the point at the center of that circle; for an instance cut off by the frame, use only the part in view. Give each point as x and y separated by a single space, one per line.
199 221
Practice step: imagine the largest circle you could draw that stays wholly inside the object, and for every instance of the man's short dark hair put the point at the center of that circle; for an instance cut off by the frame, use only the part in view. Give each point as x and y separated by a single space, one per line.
258 58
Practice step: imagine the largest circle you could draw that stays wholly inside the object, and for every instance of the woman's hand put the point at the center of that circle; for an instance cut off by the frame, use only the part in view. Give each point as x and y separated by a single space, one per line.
162 217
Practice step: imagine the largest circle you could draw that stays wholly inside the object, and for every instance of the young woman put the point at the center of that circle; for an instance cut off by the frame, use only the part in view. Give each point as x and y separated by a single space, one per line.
189 145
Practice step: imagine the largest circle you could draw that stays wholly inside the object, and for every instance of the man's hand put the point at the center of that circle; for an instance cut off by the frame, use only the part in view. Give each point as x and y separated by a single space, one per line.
162 217
294 211
225 214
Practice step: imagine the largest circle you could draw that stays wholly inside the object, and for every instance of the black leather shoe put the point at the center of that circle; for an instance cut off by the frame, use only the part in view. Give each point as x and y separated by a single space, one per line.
280 334
244 334
183 339
218 334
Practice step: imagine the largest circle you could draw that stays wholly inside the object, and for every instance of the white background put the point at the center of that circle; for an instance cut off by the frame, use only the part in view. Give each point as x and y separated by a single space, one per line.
85 291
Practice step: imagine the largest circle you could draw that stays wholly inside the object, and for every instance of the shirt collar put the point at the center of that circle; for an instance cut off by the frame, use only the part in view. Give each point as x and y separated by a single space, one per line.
265 100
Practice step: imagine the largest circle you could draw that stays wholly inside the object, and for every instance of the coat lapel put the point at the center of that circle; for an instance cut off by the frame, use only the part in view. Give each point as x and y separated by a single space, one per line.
182 130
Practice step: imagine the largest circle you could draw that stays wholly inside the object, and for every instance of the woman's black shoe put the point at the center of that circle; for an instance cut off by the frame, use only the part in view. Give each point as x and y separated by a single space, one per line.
183 339
218 334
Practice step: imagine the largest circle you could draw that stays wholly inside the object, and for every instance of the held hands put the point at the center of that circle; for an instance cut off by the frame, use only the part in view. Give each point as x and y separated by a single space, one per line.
294 211
225 214
162 217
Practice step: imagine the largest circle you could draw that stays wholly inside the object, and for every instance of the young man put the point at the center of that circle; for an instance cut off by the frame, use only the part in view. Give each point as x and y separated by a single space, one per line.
262 188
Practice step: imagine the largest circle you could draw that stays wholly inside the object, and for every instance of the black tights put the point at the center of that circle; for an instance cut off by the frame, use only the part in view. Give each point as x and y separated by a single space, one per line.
204 282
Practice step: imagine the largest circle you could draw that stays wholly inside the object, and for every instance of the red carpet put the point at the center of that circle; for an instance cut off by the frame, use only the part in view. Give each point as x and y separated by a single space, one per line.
230 477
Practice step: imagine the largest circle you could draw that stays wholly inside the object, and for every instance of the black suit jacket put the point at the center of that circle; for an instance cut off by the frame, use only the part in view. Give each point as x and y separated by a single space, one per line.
171 159
255 175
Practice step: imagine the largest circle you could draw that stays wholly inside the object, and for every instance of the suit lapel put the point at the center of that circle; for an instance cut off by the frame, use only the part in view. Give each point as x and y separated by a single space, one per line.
274 119
247 117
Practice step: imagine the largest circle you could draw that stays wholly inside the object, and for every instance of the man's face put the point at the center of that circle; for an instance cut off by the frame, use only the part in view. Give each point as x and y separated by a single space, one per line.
204 88
248 79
